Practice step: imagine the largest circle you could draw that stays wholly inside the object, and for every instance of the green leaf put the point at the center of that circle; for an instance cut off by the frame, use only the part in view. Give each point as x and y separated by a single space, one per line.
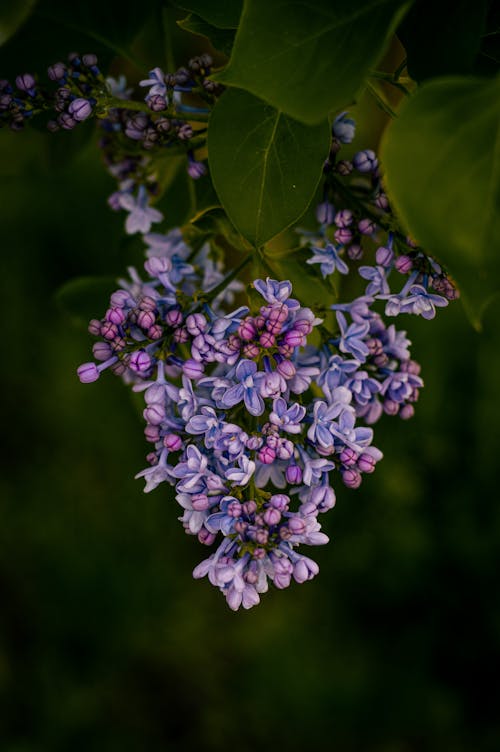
85 298
13 13
221 39
225 14
265 166
442 163
450 43
309 57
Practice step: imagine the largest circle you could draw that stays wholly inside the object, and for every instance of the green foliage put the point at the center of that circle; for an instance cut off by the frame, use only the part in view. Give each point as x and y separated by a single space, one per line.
13 13
224 14
264 165
309 58
221 39
442 163
442 38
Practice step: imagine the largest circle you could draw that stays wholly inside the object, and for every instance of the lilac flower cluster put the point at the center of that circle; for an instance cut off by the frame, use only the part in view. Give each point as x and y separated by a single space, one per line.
78 82
248 419
245 418
134 132
166 126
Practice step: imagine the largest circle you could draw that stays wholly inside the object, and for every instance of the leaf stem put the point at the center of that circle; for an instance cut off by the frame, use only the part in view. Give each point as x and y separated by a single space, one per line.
380 100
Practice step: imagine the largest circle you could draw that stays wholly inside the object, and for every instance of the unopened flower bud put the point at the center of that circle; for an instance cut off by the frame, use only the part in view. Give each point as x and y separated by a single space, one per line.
87 373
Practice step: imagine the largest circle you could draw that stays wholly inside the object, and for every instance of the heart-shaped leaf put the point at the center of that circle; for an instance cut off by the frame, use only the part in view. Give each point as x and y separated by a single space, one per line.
442 163
264 165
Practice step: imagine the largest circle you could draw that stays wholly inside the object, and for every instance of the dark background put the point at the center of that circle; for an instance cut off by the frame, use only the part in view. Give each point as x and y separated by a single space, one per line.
106 642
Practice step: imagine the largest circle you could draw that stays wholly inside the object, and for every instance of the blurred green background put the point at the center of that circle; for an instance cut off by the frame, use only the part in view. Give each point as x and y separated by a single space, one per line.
106 642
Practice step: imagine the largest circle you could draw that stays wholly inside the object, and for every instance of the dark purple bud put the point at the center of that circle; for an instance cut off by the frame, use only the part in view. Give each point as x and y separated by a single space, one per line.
154 414
351 478
146 319
285 449
195 169
147 303
66 121
403 264
247 329
382 202
391 407
172 442
118 344
26 82
109 330
384 256
366 463
90 60
294 475
296 525
118 368
57 71
259 553
365 161
233 343
355 252
293 338
87 373
162 125
344 218
266 455
249 508
343 235
267 340
94 327
200 502
286 369
366 226
348 456
5 101
52 126
192 369
174 317
135 127
102 350
185 132
119 298
196 324
381 360
155 332
272 516
261 536
325 213
407 412
80 109
181 335
140 361
206 537
344 167
152 433
251 351
115 315
234 509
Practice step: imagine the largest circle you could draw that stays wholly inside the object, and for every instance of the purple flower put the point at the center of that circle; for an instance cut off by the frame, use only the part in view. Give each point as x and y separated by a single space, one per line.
156 81
329 259
242 474
344 128
276 292
141 215
192 471
287 418
423 303
351 338
377 279
247 389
